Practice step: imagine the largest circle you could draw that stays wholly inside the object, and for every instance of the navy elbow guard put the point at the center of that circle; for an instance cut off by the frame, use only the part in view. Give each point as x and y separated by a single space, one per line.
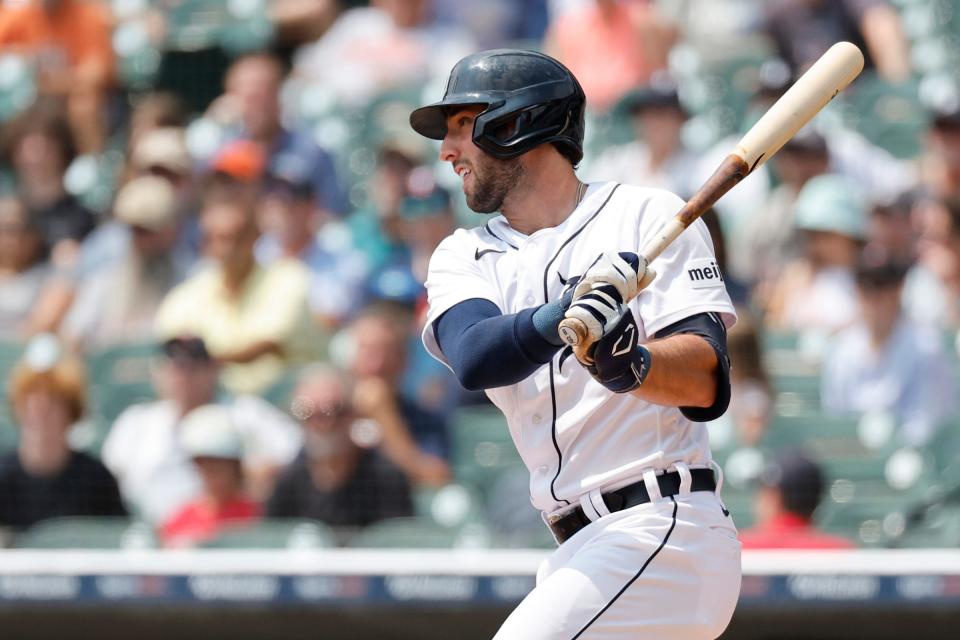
710 327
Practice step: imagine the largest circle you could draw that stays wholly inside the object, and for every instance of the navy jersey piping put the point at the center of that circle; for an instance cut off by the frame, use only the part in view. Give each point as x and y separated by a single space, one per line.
553 391
486 228
663 543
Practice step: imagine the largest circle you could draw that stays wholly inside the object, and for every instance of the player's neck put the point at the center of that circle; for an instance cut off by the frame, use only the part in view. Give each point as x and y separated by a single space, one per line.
545 197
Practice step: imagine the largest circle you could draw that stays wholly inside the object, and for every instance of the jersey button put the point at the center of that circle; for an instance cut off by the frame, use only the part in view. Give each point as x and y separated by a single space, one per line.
528 299
537 418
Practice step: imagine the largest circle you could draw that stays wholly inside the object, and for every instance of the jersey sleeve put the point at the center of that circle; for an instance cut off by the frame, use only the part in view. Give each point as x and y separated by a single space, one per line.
689 280
452 277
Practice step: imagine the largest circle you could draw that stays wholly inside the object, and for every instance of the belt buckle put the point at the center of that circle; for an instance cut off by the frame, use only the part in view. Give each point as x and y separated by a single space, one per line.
554 518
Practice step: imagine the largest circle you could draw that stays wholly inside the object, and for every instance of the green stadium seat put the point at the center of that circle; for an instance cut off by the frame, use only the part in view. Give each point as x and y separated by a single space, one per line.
17 85
275 534
481 446
420 533
890 116
821 434
280 393
449 506
87 533
868 522
119 377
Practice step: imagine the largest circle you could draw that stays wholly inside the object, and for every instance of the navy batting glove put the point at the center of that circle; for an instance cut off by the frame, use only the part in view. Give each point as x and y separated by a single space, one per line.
620 362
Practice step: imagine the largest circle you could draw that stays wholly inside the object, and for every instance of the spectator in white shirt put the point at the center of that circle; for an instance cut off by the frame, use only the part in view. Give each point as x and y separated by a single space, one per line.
143 450
885 362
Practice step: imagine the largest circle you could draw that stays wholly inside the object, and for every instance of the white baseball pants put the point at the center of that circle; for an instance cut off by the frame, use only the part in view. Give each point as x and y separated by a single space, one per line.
665 570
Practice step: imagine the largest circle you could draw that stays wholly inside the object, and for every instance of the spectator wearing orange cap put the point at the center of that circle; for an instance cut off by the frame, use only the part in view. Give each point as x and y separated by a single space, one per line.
236 172
251 108
44 478
254 319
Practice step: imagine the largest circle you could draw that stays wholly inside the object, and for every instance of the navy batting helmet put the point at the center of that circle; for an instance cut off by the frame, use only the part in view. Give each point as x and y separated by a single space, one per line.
530 99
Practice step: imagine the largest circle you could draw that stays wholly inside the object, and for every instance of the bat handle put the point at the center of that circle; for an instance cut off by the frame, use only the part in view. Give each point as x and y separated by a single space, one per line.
573 332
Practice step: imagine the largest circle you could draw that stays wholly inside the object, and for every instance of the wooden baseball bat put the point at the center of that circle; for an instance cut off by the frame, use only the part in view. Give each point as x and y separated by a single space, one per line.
809 94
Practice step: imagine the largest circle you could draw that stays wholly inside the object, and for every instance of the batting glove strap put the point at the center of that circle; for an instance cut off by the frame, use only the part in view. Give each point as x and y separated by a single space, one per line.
620 363
598 308
621 270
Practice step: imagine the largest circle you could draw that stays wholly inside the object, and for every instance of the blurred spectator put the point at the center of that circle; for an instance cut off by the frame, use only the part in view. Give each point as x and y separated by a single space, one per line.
161 153
790 490
803 29
254 319
611 46
300 21
816 292
43 478
414 439
932 290
27 280
387 45
378 229
892 229
118 305
252 100
767 239
496 23
236 173
751 394
294 228
156 110
426 215
212 442
885 362
656 157
40 147
337 478
144 448
68 42
941 164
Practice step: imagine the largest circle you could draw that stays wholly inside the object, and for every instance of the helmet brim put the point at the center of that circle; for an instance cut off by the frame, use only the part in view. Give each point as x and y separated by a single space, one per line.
430 121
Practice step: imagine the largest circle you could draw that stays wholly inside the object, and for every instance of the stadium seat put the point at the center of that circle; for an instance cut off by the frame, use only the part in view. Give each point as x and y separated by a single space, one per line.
280 393
420 533
821 434
17 85
481 446
87 533
275 534
449 506
890 116
868 522
119 377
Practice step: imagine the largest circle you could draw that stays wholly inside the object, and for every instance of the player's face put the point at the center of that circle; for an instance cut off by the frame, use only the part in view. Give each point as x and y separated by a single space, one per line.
486 180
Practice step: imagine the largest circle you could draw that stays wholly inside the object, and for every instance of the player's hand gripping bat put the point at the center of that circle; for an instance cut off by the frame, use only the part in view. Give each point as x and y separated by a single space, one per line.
809 94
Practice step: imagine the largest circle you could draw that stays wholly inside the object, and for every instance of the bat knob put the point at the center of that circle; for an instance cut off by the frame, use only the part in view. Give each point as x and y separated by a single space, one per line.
573 332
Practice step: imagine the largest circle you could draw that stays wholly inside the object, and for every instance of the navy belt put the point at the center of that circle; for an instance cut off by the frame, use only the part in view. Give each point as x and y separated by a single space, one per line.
565 526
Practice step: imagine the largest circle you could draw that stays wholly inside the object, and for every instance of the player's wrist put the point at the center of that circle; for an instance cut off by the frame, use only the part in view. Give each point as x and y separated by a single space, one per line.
629 371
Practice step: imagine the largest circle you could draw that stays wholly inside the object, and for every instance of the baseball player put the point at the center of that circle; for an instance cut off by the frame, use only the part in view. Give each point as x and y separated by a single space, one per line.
613 437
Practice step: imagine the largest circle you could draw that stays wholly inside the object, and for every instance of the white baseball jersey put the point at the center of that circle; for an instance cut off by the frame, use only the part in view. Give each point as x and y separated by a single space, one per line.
573 434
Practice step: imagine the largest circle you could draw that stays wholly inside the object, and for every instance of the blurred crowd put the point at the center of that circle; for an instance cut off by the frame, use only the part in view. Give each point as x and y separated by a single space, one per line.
234 186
